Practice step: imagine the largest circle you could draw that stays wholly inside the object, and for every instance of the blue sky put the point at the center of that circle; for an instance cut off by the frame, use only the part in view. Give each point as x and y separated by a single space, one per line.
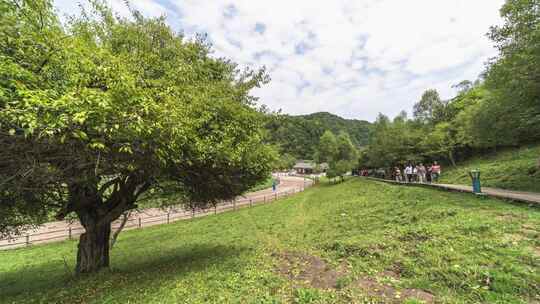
354 58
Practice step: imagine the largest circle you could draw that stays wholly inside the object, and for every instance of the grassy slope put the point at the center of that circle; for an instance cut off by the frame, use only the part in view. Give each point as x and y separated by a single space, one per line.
514 169
459 247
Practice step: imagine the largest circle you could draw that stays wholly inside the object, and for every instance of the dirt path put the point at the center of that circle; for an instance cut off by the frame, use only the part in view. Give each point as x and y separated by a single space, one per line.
62 230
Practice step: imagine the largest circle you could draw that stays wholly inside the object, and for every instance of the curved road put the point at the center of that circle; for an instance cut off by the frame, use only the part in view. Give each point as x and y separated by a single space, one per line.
62 230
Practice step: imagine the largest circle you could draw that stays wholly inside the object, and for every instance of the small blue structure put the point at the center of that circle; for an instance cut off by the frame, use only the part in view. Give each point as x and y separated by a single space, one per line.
475 176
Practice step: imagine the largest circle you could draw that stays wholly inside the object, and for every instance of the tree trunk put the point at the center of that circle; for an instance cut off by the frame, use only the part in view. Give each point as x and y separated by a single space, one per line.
93 251
451 157
96 216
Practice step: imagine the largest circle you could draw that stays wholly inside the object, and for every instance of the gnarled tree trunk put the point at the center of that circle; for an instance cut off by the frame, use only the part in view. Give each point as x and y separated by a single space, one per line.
96 215
93 251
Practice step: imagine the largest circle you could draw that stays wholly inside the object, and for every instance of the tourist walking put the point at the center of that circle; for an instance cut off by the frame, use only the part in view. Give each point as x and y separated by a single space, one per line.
397 174
408 173
435 172
421 173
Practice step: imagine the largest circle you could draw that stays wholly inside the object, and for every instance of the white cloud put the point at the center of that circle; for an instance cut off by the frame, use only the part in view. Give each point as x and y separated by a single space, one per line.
354 58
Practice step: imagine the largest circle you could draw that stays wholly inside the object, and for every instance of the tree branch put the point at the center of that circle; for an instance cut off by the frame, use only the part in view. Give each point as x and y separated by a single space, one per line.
108 184
117 232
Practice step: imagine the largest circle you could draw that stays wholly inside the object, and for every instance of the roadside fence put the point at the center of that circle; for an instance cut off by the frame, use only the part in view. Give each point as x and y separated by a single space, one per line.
148 217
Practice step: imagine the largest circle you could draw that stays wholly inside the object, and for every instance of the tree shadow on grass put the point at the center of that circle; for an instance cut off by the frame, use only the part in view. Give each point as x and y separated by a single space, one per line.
131 270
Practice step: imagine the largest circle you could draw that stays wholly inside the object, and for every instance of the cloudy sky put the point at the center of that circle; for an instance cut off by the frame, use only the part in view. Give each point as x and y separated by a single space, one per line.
354 58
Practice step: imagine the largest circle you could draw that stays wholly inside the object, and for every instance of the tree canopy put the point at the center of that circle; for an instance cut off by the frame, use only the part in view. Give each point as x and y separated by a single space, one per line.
501 108
328 147
96 112
339 152
299 135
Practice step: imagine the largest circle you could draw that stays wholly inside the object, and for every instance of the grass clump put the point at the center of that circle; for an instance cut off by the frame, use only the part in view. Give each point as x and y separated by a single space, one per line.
456 247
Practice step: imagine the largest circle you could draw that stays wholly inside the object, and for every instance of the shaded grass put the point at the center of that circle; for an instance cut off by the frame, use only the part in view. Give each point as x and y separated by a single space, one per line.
461 248
267 183
513 169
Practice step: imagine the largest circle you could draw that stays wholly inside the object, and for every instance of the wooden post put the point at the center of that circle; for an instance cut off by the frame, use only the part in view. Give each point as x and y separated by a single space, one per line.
140 224
215 209
192 212
27 239
250 203
69 233
167 217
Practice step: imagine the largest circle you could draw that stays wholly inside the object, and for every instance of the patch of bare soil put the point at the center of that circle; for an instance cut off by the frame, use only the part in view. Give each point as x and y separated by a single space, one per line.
305 269
309 270
509 217
387 293
513 238
392 274
529 229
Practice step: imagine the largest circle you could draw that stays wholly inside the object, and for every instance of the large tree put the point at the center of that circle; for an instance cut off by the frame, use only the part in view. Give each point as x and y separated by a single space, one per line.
514 75
430 108
340 152
96 113
328 147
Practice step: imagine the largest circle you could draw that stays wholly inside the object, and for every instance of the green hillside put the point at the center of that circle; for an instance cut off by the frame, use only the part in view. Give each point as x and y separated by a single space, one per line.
299 135
514 169
344 243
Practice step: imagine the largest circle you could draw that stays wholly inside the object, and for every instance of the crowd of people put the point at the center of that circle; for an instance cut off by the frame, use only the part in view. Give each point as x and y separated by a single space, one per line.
411 173
418 173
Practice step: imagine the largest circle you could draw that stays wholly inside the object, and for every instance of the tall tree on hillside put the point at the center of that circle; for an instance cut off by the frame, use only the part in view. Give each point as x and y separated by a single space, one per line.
94 116
430 109
463 86
345 156
328 147
514 76
345 148
442 142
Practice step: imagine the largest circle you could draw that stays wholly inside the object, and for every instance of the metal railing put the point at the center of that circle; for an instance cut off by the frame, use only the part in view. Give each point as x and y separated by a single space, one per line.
136 221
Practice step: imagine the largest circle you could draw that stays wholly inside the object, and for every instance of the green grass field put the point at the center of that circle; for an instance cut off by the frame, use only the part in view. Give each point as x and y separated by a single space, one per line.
344 243
514 169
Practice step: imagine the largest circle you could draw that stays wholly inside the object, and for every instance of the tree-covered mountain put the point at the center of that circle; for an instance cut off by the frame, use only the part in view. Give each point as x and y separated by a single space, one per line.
299 135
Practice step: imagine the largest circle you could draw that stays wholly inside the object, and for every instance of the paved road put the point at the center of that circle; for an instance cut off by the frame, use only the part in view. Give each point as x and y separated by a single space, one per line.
62 230
529 197
521 196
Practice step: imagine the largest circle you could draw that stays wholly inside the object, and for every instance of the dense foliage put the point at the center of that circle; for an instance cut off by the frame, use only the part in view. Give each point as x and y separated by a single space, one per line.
500 109
338 152
299 135
97 113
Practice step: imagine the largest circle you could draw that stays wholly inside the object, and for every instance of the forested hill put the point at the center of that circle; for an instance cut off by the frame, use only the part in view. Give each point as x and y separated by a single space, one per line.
299 135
